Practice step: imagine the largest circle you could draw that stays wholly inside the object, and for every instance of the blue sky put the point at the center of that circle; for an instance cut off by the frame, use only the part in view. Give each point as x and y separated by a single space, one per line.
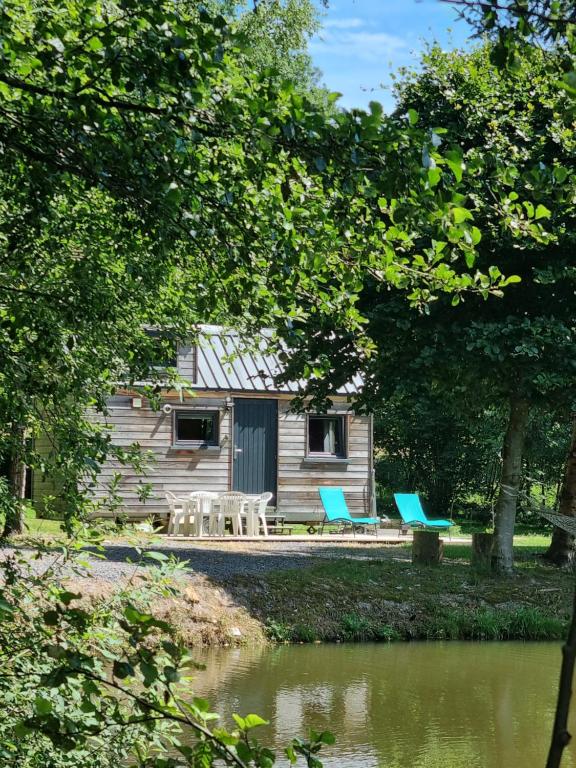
363 41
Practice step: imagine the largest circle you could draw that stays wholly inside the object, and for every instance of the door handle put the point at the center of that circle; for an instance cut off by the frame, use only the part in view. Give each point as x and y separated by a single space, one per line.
237 450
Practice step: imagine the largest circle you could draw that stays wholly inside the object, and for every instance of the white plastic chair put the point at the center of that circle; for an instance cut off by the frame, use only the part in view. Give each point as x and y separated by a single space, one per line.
259 514
202 503
179 513
232 505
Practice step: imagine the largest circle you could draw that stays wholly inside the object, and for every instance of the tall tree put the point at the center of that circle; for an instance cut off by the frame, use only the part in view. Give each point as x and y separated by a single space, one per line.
528 341
277 33
515 162
153 174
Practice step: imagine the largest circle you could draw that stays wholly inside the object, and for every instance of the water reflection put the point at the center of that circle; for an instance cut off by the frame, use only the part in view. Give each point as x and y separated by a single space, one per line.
442 705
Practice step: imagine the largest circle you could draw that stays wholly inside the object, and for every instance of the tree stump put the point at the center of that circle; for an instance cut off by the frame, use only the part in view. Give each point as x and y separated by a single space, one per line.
481 553
427 548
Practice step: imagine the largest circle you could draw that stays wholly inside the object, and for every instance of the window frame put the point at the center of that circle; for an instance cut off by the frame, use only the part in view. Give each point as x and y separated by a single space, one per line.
323 455
196 413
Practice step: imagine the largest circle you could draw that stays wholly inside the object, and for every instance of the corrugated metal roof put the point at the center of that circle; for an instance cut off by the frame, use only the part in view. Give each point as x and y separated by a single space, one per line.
224 363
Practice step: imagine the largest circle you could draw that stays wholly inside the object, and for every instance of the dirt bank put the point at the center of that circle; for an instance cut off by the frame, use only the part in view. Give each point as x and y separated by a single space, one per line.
246 595
203 613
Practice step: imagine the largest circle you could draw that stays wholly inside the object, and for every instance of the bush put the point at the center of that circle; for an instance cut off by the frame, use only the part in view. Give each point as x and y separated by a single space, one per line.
97 686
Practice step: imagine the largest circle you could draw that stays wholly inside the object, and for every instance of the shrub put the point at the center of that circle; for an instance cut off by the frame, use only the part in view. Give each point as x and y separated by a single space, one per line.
98 686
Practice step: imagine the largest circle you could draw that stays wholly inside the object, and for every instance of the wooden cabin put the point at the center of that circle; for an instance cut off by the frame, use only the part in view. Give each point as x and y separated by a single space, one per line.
231 428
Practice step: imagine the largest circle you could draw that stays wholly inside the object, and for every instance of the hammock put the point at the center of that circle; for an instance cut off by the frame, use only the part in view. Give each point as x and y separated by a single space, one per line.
566 522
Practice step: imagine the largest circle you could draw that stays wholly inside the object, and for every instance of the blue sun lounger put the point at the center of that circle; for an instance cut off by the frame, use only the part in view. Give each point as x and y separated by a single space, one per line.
336 511
413 515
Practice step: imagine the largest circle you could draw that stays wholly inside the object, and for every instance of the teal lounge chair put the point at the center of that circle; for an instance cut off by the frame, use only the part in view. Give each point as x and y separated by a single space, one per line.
414 516
336 511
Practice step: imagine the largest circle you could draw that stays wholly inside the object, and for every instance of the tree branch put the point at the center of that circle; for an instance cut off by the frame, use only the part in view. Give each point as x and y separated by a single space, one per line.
560 734
40 90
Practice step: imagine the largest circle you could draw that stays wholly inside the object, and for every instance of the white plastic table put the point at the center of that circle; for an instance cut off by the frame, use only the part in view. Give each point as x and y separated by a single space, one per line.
193 515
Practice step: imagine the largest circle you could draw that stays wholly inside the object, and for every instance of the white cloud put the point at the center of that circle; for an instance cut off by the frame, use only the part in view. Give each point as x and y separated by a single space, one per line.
359 46
344 23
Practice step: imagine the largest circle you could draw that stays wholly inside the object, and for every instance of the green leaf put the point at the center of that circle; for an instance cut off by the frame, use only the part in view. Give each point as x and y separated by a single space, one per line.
412 116
560 174
42 706
135 616
253 721
6 608
568 82
171 674
95 44
202 705
542 212
434 176
460 214
149 673
159 556
375 108
21 730
454 160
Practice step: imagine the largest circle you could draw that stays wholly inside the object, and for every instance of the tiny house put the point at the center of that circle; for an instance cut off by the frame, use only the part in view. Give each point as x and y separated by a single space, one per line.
231 428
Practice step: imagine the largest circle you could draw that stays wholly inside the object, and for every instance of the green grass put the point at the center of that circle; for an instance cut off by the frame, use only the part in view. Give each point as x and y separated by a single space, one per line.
36 526
387 598
533 540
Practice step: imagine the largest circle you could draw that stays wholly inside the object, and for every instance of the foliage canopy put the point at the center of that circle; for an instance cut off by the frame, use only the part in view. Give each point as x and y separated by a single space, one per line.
154 174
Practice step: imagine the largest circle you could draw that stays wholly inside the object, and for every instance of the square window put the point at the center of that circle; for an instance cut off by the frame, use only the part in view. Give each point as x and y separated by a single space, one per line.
195 428
326 436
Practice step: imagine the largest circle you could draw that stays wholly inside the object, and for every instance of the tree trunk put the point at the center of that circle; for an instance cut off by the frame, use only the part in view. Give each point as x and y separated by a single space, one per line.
14 522
481 552
560 734
427 548
561 549
511 477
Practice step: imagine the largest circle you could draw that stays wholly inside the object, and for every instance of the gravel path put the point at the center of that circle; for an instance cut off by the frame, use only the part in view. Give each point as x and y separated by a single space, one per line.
221 561
211 562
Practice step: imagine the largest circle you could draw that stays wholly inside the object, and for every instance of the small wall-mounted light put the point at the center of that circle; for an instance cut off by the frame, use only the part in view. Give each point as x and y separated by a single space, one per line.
228 403
136 402
167 408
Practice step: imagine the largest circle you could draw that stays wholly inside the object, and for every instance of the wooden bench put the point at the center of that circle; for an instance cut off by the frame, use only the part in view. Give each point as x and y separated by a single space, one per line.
276 525
279 530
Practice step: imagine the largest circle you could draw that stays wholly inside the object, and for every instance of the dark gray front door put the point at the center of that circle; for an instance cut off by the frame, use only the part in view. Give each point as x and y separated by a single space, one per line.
255 445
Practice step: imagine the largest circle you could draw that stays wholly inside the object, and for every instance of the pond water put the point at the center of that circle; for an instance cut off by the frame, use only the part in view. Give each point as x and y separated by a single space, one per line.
418 705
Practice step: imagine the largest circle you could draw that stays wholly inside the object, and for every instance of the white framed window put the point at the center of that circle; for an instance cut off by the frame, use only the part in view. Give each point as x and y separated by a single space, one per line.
195 429
326 436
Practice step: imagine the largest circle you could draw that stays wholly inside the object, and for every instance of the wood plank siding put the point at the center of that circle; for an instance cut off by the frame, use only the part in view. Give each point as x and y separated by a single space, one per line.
45 490
183 471
169 469
300 477
220 375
